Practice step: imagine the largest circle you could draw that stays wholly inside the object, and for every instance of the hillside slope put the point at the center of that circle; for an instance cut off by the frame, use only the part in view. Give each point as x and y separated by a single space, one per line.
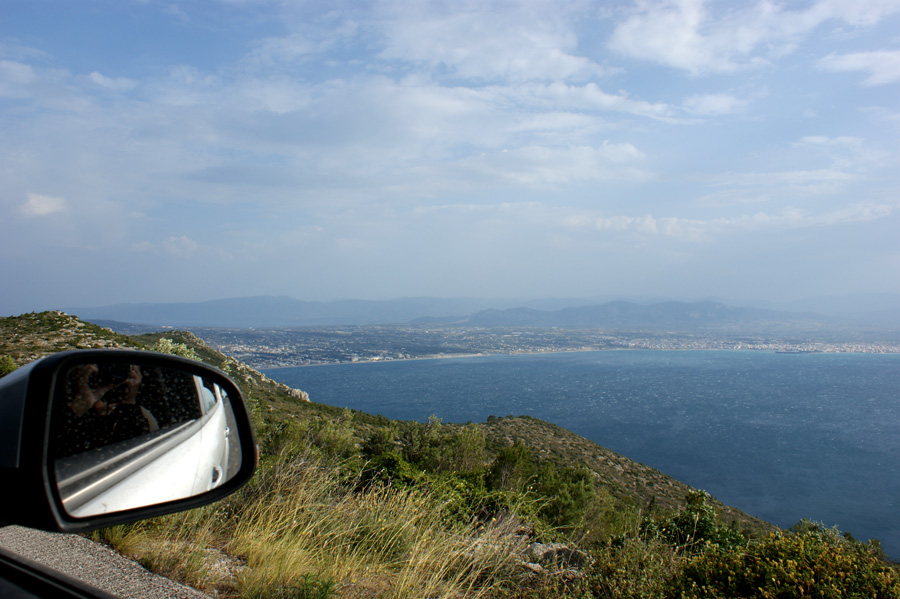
350 505
30 336
622 477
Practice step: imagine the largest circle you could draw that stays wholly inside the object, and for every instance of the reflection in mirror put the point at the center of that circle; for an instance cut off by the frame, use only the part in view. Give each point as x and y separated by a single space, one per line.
134 435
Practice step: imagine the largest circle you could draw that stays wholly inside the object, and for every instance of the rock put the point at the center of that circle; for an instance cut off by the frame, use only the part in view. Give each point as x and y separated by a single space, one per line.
556 554
298 394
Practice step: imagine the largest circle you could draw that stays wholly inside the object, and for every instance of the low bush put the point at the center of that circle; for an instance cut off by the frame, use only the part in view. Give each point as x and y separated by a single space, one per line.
817 562
7 365
694 528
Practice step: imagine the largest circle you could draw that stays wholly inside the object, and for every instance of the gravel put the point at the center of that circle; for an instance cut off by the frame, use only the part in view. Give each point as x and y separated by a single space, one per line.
95 564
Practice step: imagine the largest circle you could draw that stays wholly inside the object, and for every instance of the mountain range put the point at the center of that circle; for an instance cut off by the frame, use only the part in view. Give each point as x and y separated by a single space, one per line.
621 314
281 311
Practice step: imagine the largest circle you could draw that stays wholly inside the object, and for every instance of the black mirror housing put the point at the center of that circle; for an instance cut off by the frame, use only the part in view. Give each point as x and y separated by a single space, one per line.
193 421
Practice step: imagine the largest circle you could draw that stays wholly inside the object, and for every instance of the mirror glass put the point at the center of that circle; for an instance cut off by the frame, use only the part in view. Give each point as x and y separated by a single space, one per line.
128 435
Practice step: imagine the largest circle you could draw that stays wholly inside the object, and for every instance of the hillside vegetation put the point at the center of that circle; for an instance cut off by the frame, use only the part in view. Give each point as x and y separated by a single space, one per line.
347 504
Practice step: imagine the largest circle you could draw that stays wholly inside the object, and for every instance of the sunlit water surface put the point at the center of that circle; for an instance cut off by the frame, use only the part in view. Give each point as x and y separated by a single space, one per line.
780 436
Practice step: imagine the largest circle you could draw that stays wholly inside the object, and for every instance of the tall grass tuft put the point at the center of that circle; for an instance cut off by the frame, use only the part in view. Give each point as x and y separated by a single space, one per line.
306 519
303 528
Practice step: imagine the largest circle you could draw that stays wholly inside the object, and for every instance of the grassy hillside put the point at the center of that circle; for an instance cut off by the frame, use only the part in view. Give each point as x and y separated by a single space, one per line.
348 504
30 336
625 479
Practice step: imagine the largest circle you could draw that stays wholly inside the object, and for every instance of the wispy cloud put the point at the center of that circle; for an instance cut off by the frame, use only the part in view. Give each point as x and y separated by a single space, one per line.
41 205
392 143
697 229
14 78
824 140
487 41
118 84
180 246
700 36
541 166
714 104
883 67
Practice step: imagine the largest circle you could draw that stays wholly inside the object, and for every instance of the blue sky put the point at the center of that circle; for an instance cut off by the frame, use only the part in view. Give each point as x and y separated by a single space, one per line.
185 151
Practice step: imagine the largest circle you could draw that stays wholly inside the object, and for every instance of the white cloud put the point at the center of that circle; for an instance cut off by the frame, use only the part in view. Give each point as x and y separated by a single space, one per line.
850 164
590 97
642 224
118 84
685 229
882 113
41 205
472 132
277 95
785 184
847 154
883 67
822 140
859 13
289 49
714 104
510 41
684 35
701 36
14 77
545 166
856 213
12 48
180 246
693 229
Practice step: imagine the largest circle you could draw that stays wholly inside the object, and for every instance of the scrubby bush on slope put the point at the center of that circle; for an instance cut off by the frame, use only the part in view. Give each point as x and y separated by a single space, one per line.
815 562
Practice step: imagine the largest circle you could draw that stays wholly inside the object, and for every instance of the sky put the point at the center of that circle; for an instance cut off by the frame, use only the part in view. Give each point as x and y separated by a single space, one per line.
159 151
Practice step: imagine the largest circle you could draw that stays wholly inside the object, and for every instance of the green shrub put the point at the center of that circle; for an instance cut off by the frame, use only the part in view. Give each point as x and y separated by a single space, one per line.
466 450
389 469
168 346
815 563
423 444
381 440
694 528
7 365
634 568
512 469
567 494
329 436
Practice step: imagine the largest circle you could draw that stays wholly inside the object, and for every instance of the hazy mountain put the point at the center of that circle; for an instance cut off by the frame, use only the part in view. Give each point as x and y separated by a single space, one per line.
271 311
871 308
281 311
629 315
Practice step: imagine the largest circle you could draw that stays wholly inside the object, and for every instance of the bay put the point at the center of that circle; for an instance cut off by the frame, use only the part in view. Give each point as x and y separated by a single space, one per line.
780 436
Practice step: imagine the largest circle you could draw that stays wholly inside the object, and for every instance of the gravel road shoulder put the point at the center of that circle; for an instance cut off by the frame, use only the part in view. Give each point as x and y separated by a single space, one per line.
95 564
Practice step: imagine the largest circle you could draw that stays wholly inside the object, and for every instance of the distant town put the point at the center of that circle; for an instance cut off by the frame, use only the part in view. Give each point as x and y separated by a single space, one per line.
285 347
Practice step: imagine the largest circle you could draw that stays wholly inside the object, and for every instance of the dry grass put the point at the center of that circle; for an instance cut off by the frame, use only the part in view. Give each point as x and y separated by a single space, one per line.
391 541
302 526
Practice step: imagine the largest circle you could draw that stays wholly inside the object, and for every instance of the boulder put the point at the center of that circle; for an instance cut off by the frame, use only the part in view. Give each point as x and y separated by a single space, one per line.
555 554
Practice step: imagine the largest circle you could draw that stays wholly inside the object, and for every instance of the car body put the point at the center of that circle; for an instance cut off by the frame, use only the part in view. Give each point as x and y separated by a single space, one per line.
180 460
86 449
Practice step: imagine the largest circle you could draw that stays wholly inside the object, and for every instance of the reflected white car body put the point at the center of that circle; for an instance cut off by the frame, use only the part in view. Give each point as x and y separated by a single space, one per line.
186 460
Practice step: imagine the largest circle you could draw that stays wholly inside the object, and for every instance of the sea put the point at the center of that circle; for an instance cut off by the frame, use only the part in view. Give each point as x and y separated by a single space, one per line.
779 436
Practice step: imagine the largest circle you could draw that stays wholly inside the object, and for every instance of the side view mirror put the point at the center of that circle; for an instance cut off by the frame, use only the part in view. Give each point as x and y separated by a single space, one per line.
93 438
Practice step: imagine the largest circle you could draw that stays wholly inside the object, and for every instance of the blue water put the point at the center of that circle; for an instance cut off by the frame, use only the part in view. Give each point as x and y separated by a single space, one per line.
780 436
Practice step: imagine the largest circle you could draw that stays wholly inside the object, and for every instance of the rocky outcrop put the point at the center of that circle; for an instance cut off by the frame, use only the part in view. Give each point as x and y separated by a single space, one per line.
298 394
555 559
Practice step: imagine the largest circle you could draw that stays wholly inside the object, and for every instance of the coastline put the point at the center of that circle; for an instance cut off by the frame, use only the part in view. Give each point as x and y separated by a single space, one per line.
679 412
377 360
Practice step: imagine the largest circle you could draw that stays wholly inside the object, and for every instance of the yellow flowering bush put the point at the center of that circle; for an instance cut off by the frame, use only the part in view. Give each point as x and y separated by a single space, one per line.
816 562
